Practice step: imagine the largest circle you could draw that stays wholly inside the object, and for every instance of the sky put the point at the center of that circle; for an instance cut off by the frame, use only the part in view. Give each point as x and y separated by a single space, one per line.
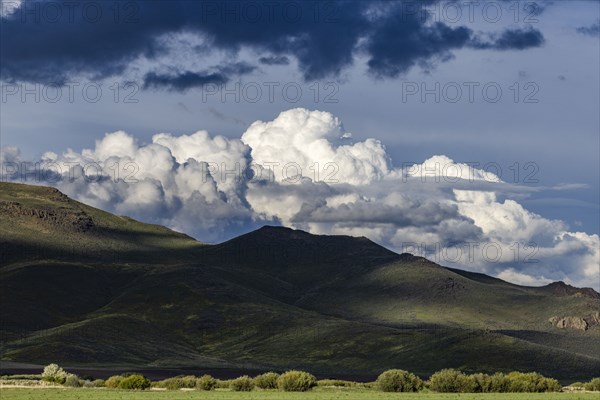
467 132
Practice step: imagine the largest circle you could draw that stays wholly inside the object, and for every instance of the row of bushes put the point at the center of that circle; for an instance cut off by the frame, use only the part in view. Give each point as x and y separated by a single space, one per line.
445 381
205 382
395 380
291 381
128 381
55 374
453 381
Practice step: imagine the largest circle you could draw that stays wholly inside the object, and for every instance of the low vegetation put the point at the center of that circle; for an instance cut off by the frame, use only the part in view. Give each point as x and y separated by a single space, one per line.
54 373
296 381
326 394
594 385
591 386
206 382
397 380
135 382
394 380
242 384
339 383
113 382
178 382
99 383
267 380
454 381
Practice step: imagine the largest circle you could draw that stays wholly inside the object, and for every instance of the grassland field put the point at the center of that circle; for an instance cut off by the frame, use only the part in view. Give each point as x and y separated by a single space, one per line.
320 394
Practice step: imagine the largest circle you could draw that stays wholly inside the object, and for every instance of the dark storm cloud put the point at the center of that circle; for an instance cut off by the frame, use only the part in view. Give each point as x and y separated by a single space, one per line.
55 41
399 44
592 30
402 40
39 46
41 49
182 81
238 68
511 39
274 60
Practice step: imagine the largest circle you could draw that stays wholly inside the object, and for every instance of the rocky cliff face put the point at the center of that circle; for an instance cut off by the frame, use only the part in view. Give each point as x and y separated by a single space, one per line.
577 323
569 323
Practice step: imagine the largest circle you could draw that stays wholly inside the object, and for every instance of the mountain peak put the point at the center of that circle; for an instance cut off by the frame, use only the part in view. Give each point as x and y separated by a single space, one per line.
561 288
278 230
274 228
277 249
282 233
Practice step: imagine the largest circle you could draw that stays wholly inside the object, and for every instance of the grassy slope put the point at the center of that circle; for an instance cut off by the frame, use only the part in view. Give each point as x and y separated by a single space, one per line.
454 315
49 225
119 292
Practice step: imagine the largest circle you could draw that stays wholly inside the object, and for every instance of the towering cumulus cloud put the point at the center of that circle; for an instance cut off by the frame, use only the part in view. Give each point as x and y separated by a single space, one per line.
298 140
304 170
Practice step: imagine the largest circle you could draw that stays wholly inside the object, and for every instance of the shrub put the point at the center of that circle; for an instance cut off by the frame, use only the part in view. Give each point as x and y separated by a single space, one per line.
135 382
267 380
206 382
520 382
223 384
179 382
397 380
593 385
500 383
172 383
54 373
113 382
98 383
242 384
73 380
451 381
552 385
481 383
296 381
532 382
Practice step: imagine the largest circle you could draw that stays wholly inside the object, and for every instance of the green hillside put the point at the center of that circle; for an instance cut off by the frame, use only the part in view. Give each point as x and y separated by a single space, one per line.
80 286
41 223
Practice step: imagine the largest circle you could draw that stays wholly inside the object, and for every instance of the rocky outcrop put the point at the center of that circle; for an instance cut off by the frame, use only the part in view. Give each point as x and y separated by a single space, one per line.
561 289
577 323
569 323
593 319
63 217
449 285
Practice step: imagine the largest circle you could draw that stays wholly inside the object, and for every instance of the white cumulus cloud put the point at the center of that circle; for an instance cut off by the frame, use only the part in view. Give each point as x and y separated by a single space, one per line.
303 170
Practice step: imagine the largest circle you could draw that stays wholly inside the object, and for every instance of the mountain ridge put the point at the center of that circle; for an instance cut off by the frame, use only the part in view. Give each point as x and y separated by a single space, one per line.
264 232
